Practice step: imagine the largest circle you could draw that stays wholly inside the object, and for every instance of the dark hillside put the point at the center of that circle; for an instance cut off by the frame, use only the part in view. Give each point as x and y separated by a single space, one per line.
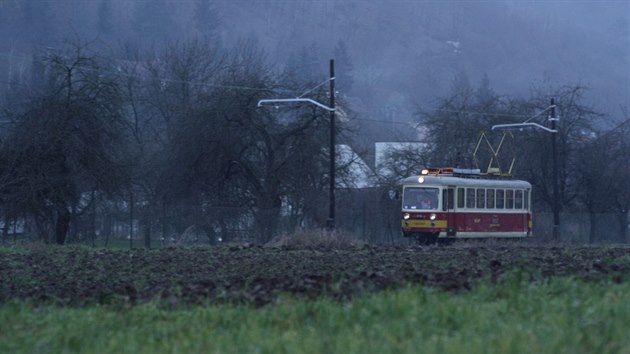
408 49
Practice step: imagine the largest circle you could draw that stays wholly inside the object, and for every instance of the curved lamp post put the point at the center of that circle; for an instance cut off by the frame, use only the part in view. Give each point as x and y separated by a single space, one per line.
330 223
554 132
285 100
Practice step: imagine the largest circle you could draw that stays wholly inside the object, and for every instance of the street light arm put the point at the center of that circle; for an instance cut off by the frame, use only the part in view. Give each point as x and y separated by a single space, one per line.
556 194
553 106
517 125
284 100
330 223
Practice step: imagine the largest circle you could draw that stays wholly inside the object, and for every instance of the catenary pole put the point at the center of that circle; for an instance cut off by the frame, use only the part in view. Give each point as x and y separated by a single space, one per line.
331 205
330 222
554 152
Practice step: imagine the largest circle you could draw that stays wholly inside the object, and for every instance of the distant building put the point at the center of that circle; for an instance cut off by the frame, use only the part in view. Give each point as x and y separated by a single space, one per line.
361 175
15 227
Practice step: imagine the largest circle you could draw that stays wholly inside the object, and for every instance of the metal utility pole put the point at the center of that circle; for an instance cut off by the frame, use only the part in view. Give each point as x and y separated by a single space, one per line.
556 193
330 224
131 203
554 151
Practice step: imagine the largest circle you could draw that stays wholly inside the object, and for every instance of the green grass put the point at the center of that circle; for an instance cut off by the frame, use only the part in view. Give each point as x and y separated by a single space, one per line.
558 316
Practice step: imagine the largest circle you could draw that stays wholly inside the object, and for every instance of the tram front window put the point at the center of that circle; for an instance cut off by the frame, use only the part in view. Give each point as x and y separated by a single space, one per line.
420 198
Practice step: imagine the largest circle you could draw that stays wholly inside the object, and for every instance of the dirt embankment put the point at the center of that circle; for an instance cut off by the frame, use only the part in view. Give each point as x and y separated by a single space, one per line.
256 275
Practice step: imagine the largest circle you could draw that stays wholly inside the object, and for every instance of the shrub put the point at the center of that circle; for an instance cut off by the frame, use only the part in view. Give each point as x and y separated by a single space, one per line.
315 239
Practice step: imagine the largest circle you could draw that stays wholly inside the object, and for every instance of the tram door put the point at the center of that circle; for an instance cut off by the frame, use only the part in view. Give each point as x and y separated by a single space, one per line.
448 206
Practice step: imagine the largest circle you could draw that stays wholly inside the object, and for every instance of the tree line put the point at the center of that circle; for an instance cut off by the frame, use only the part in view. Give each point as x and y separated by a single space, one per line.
172 142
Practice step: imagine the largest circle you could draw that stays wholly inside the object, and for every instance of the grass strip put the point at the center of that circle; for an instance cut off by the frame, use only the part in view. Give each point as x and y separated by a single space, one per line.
559 315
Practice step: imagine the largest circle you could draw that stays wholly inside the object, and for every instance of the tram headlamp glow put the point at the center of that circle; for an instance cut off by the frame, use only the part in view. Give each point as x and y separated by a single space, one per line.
420 179
406 216
432 217
424 172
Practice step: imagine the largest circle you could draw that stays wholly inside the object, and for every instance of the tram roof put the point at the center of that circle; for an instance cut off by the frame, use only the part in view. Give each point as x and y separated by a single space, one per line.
466 182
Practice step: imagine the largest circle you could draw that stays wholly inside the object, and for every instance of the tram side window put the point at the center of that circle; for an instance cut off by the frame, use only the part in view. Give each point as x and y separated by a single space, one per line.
460 197
509 199
518 199
481 198
526 199
470 197
500 198
490 198
448 199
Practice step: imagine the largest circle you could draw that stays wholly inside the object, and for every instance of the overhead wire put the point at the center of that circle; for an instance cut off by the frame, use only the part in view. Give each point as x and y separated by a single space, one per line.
119 72
240 87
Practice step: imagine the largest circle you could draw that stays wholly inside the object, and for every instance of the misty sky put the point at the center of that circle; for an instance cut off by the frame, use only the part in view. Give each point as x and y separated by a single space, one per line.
403 54
411 50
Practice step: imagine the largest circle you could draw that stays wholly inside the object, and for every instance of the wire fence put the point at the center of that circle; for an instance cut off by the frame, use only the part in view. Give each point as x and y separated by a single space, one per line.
370 216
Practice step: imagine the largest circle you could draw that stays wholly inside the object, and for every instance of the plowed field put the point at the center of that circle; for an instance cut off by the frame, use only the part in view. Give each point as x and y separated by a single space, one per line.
257 275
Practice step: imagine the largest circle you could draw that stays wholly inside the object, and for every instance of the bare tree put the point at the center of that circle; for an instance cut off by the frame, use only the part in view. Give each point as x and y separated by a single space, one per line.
576 122
266 153
595 160
616 177
207 157
68 141
162 94
453 129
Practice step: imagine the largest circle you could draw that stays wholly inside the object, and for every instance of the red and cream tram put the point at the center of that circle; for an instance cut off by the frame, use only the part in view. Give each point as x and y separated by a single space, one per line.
451 203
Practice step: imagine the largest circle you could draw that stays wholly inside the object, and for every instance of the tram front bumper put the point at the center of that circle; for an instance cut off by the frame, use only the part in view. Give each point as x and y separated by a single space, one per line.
409 226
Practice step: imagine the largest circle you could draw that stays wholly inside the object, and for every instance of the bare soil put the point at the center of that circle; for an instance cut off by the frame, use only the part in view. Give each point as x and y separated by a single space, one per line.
257 275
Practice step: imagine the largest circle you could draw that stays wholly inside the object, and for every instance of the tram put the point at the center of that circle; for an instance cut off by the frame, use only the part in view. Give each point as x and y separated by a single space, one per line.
453 203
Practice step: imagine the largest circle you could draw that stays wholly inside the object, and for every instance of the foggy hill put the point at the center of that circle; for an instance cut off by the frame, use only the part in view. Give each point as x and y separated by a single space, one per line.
402 53
414 49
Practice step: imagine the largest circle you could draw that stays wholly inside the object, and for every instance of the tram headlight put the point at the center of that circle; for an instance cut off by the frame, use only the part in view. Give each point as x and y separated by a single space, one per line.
432 216
424 172
406 216
420 179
